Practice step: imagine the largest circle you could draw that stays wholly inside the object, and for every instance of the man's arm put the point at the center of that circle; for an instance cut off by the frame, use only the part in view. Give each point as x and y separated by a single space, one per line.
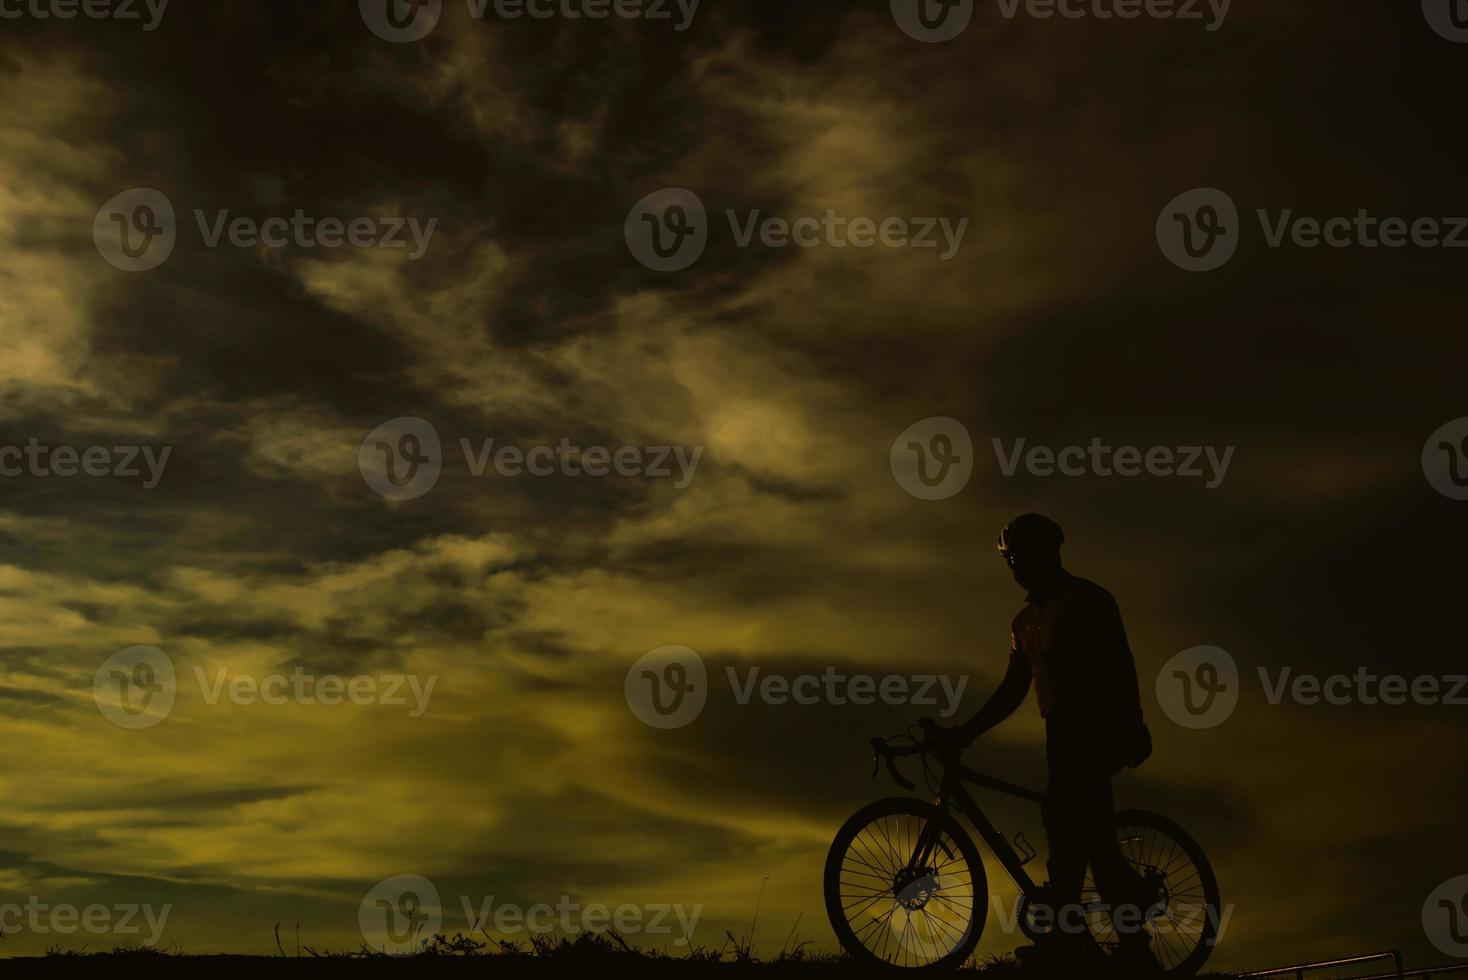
1005 701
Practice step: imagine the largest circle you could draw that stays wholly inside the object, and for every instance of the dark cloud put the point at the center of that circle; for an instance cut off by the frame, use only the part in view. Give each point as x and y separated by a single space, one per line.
527 321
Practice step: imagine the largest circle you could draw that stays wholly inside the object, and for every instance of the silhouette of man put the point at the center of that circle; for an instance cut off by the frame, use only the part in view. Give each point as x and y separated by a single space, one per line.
1069 643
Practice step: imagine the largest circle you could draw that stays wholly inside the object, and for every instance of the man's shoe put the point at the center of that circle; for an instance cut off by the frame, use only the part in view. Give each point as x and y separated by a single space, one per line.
1133 958
1055 954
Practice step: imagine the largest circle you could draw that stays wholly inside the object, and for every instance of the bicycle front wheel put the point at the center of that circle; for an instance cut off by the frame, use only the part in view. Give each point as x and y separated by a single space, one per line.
905 886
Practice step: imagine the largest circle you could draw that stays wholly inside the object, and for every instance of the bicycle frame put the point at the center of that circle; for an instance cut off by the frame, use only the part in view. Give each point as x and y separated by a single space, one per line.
953 783
953 794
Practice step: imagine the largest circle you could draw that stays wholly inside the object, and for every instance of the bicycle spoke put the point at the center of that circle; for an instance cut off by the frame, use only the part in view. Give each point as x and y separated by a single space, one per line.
906 889
1177 925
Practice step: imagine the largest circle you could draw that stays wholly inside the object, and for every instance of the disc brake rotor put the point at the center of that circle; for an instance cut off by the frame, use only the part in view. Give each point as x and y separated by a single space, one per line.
914 887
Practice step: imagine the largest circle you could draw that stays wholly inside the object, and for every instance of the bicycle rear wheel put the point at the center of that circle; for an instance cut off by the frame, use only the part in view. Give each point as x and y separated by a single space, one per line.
905 886
1179 893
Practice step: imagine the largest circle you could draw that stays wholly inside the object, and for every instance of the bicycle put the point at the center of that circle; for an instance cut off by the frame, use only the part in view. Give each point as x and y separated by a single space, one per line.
903 876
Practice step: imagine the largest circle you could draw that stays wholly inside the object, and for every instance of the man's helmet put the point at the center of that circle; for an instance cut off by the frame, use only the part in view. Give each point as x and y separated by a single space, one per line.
1030 534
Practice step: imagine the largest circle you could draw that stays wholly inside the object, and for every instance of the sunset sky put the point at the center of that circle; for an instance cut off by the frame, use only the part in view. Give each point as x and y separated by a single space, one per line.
527 319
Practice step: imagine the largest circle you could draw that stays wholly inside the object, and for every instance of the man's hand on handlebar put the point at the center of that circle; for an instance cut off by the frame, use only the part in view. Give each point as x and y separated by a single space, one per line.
943 744
946 740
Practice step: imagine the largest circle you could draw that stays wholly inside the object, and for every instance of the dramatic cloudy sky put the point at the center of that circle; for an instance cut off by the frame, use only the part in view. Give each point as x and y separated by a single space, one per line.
793 549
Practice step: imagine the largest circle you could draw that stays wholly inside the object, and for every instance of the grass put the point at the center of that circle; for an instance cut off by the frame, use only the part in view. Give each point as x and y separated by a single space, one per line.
582 955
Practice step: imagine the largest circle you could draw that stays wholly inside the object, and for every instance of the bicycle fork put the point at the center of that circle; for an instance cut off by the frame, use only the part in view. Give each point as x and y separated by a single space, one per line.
916 883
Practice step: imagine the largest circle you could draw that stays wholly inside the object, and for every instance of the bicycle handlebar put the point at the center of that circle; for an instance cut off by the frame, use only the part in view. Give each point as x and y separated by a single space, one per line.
882 751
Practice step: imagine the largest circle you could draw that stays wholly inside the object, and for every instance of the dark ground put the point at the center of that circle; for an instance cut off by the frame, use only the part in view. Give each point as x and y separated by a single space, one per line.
589 956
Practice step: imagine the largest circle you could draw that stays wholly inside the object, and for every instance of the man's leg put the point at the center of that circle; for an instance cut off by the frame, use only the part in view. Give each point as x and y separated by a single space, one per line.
1071 811
1079 819
1070 802
1066 831
1115 880
1064 945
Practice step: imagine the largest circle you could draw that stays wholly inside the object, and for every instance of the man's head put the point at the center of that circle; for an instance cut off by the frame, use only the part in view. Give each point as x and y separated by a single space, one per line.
1030 545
